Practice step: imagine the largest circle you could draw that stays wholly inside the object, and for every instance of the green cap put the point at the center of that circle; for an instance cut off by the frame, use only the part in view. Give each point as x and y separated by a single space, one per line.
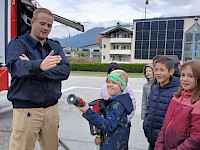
116 77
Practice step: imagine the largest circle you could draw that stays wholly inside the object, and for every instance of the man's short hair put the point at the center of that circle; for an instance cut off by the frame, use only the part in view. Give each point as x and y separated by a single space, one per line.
41 10
167 61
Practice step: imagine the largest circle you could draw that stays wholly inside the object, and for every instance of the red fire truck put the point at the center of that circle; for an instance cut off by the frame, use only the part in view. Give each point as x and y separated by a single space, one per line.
15 16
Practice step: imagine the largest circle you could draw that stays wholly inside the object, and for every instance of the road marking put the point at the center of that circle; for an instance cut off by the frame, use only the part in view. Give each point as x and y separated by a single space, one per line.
94 88
137 91
5 109
65 90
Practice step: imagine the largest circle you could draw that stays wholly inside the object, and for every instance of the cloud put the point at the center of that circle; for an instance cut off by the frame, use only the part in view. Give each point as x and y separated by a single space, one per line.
121 10
99 12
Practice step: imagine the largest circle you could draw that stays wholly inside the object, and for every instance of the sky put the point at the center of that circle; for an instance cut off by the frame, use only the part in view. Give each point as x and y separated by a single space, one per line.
107 13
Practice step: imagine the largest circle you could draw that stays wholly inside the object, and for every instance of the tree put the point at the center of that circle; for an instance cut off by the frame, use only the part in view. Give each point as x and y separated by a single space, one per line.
79 53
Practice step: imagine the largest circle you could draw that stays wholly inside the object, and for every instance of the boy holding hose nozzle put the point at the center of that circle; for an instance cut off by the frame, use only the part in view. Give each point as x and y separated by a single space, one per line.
114 123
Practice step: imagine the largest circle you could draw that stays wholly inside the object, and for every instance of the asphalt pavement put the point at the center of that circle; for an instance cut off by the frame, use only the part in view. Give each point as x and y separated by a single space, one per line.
74 129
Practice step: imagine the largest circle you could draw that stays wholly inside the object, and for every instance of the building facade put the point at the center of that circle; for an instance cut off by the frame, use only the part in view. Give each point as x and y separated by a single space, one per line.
116 44
92 51
160 36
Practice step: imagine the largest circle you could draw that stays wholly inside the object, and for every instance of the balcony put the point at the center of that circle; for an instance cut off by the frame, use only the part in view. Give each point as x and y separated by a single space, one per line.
120 40
120 52
96 53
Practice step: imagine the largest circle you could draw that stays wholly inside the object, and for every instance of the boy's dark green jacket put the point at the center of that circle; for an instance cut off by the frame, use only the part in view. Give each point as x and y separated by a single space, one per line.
114 124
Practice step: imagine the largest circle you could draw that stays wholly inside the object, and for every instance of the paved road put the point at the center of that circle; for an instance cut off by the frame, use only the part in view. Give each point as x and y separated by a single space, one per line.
74 129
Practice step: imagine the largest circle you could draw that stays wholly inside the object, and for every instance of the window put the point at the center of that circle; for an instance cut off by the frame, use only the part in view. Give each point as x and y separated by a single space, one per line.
170 44
104 46
171 25
197 46
153 45
179 34
192 42
179 24
138 45
116 35
116 46
138 35
126 47
154 25
160 52
145 45
138 54
120 58
144 54
103 57
95 50
162 25
146 26
127 35
161 45
162 37
154 35
197 55
188 47
178 45
197 37
146 35
170 34
187 56
139 26
152 53
189 37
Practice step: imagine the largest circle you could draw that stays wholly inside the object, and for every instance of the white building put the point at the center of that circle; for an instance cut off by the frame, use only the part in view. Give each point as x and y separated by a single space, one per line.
93 51
116 44
157 36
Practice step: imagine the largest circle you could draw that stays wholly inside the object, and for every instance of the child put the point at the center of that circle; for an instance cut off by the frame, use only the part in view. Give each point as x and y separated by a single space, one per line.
148 73
181 127
155 58
159 98
104 91
154 63
114 123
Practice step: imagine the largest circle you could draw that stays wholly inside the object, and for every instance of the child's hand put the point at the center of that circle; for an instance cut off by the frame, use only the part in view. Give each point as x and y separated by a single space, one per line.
85 108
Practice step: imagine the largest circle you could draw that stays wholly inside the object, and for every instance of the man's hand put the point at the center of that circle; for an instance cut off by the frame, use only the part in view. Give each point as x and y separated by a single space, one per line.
50 61
85 108
24 57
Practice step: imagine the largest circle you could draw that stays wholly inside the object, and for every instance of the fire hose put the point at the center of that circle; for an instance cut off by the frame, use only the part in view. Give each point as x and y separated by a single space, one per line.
99 106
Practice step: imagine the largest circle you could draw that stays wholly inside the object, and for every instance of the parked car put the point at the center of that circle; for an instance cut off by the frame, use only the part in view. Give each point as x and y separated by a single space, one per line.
177 65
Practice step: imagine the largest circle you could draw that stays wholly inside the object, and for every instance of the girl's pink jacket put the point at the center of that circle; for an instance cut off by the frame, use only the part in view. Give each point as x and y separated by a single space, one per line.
104 95
181 127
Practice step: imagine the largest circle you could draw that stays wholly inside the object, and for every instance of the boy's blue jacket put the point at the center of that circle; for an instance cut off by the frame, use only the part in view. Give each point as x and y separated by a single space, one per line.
158 103
114 124
32 87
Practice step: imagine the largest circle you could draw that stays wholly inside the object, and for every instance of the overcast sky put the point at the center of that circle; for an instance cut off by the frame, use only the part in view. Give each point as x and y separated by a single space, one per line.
100 11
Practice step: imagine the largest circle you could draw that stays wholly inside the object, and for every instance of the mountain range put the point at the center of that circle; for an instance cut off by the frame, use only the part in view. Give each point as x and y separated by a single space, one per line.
69 37
87 38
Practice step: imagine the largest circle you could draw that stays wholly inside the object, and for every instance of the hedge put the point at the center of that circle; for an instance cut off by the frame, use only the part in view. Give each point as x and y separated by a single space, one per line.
98 67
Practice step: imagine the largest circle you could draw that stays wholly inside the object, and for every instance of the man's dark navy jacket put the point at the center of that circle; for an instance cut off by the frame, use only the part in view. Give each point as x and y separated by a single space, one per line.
32 87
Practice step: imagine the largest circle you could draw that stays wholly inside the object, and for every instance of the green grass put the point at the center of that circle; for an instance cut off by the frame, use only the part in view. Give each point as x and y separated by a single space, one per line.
103 74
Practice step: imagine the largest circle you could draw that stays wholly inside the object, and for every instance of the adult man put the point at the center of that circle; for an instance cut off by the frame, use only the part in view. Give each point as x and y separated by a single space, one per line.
37 66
